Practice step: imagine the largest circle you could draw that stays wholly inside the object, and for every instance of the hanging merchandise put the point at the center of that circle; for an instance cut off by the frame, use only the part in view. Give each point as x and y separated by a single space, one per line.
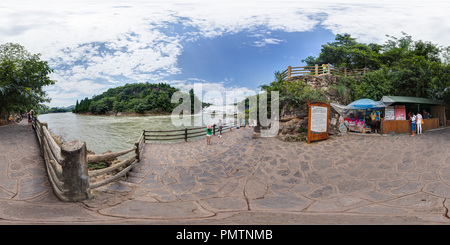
355 115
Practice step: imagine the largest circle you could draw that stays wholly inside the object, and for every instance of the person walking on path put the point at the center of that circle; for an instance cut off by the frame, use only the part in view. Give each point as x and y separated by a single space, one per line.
30 116
419 123
208 134
413 124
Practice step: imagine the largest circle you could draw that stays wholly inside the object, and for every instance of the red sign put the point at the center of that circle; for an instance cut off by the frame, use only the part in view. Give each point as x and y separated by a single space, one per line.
400 112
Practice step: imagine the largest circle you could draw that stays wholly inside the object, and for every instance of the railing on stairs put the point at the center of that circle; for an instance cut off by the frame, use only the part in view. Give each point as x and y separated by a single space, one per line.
67 166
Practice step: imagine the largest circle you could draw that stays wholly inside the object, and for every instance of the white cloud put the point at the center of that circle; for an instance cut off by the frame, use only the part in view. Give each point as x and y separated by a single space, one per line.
266 41
220 93
104 43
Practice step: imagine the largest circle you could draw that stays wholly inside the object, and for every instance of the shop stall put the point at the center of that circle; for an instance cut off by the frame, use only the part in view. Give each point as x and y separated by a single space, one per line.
397 121
361 116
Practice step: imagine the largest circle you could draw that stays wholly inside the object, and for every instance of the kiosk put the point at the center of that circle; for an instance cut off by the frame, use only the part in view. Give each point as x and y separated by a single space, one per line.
396 120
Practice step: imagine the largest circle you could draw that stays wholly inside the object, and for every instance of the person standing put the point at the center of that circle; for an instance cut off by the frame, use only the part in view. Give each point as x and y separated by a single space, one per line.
373 117
30 116
220 128
208 134
413 124
419 123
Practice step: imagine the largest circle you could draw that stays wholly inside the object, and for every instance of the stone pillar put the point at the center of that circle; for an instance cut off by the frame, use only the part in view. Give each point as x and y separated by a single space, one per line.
75 170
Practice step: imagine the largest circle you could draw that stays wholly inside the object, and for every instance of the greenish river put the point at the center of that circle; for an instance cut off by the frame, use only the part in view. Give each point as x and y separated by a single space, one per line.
102 133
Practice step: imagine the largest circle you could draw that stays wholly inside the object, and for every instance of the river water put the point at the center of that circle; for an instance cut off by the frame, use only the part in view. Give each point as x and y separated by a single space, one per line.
102 133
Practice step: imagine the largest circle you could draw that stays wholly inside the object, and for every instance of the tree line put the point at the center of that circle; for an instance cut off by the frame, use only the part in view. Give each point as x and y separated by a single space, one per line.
134 97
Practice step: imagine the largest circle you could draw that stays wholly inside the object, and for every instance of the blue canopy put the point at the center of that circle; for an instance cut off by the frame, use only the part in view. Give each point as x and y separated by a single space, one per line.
364 104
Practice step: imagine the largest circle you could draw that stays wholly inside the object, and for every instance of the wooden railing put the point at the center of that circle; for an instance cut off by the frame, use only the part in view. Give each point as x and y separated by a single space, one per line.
122 167
67 166
182 134
319 70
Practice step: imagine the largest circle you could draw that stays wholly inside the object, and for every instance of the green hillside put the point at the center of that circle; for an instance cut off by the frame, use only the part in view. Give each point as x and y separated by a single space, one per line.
135 97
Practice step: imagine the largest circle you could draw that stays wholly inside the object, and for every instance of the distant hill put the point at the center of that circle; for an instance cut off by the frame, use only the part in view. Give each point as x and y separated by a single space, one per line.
45 110
135 97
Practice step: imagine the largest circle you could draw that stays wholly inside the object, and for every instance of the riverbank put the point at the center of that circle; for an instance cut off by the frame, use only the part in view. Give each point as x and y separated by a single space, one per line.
126 113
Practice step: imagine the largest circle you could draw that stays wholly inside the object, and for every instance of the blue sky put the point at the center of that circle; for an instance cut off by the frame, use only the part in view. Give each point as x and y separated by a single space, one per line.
233 45
244 59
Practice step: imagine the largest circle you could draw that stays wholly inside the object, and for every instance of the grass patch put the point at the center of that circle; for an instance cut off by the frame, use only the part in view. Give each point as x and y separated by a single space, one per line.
97 165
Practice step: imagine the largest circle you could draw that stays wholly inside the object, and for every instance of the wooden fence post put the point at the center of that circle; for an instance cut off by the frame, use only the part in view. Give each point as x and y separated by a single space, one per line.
185 135
289 71
137 151
329 69
364 71
41 135
345 71
214 129
317 70
143 135
75 170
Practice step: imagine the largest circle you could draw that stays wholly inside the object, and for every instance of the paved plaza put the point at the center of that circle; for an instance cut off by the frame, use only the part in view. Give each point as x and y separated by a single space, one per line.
351 179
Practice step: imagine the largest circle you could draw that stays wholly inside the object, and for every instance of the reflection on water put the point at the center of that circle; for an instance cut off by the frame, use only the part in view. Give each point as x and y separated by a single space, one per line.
102 133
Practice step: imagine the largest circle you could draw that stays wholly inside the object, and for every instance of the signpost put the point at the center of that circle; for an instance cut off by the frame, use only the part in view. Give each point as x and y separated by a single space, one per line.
318 115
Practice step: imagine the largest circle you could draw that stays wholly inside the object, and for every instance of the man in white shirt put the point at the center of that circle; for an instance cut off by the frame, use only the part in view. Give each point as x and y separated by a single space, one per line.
419 123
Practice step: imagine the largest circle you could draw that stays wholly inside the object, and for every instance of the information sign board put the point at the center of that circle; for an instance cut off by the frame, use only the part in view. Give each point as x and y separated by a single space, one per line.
318 117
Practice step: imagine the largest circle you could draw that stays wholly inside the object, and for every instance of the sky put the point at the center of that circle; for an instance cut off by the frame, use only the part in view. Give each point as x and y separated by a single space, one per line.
223 45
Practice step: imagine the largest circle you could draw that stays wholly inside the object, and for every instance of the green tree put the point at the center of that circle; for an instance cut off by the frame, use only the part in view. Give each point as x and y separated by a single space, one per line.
75 110
346 52
22 78
118 106
292 93
409 68
163 101
140 108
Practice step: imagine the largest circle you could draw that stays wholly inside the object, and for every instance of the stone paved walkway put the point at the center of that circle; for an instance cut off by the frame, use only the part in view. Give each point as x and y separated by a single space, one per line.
351 179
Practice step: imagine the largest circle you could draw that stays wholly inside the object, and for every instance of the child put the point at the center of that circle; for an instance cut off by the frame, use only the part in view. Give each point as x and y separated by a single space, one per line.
413 124
208 134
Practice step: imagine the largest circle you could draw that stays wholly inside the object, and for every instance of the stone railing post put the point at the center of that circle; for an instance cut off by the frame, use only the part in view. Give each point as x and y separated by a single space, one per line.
75 170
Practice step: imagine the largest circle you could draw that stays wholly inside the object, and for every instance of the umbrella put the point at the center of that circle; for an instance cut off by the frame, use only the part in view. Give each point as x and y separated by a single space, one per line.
363 104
